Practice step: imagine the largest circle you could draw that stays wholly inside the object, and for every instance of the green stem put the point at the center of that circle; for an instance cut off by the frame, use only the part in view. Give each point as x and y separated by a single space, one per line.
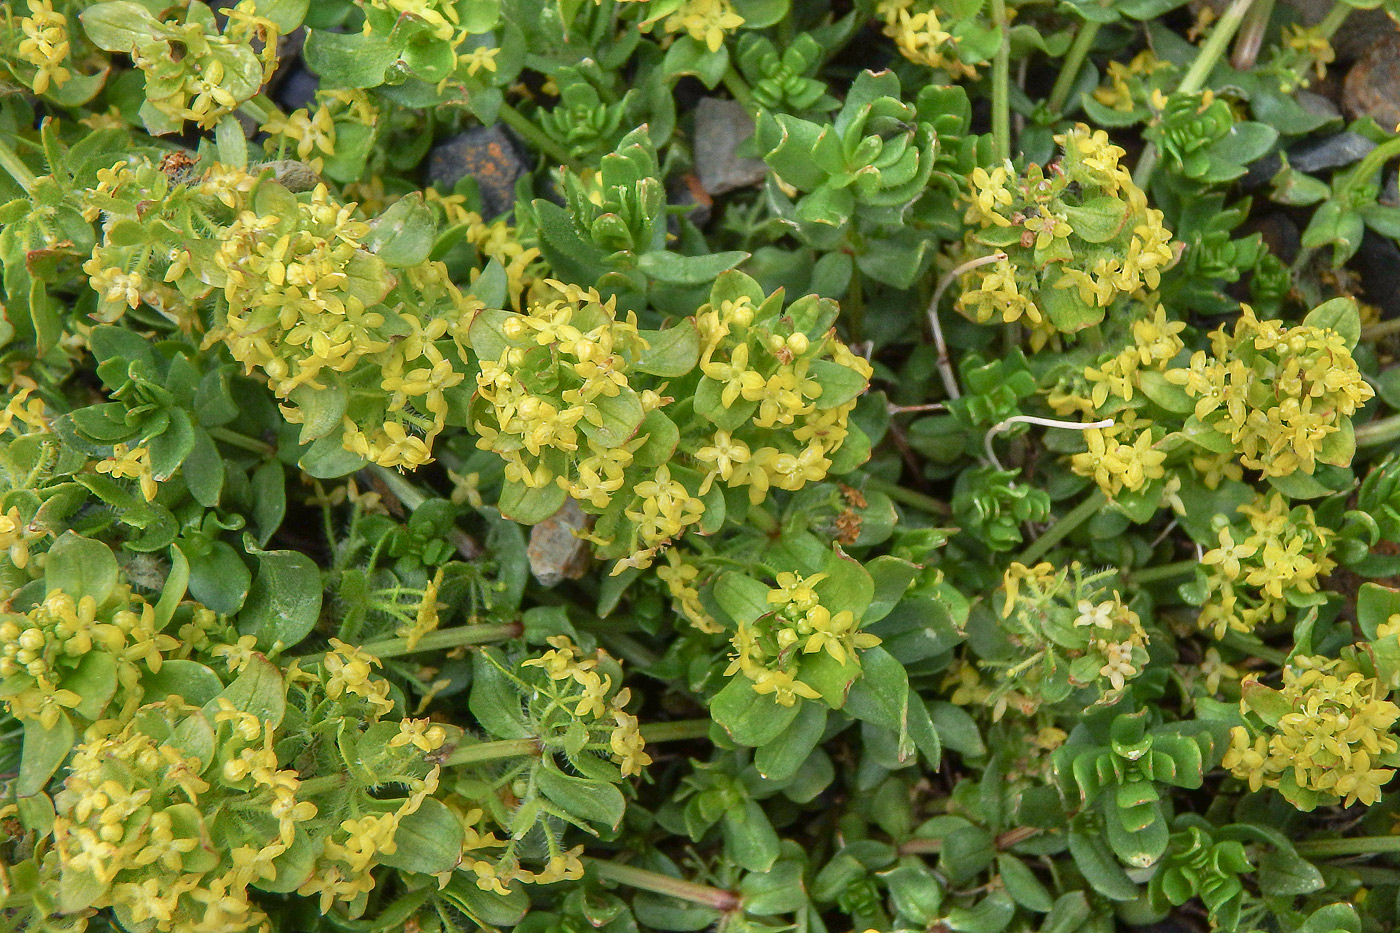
532 134
676 730
1368 166
1163 572
318 784
1376 433
909 497
740 90
234 439
1354 845
1253 647
492 751
1072 65
1381 329
1195 78
441 640
1001 86
455 637
1062 526
1333 20
410 495
12 163
633 877
759 518
1251 35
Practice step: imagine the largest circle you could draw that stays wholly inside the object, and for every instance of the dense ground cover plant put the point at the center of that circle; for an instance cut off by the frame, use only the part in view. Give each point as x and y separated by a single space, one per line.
683 464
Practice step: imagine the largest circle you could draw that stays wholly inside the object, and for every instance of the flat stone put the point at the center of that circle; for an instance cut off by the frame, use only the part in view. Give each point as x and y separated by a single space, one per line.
556 553
720 127
1378 261
1372 87
489 155
1329 152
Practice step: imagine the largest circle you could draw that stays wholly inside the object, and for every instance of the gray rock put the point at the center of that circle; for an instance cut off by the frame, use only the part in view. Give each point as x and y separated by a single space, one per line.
1329 152
556 553
720 127
489 155
1317 105
1372 86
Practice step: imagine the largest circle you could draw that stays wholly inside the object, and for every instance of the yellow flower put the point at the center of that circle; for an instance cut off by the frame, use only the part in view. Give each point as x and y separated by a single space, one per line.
478 59
708 21
45 45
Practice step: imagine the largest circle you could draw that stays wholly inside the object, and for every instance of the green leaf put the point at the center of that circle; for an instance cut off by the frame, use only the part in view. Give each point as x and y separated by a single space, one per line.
881 696
1099 867
428 841
322 410
204 470
749 839
672 352
1340 315
1284 873
587 801
670 268
349 60
494 701
839 383
170 447
742 598
1375 604
1098 220
781 758
188 680
284 601
43 751
81 567
404 234
749 718
521 503
1334 918
258 689
1022 884
119 26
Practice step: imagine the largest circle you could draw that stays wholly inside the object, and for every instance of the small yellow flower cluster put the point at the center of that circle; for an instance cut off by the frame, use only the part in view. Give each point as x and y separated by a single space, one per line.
496 240
1076 240
921 38
1250 580
769 650
577 680
760 361
195 73
1073 632
131 463
709 22
40 648
1310 43
45 45
351 671
680 578
1116 461
304 306
132 826
441 15
970 689
494 871
552 427
1282 395
1118 94
1329 743
16 535
311 134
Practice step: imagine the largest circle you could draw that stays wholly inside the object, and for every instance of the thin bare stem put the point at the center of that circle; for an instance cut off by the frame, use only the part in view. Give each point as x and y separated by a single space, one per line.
1043 422
945 365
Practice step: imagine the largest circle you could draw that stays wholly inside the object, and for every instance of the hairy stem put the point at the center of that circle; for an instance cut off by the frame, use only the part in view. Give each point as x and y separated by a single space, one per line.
1001 86
1072 65
1163 572
1195 78
14 165
1062 526
633 877
492 751
676 730
909 497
